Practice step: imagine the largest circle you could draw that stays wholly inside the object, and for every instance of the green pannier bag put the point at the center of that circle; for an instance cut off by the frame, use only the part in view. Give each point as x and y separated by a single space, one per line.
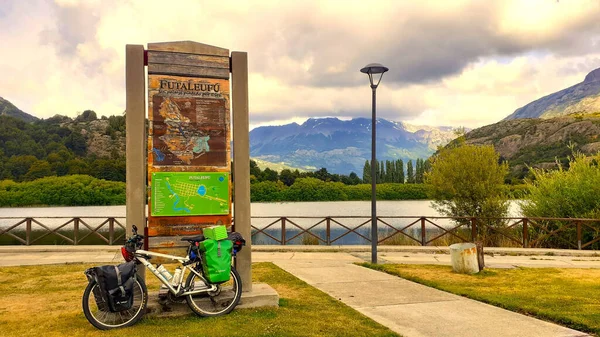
216 257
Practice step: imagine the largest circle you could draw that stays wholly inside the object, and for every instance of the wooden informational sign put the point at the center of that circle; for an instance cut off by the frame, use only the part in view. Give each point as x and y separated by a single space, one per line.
188 141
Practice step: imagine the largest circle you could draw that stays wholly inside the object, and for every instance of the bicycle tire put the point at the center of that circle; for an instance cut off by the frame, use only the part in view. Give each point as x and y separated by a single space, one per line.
97 314
221 302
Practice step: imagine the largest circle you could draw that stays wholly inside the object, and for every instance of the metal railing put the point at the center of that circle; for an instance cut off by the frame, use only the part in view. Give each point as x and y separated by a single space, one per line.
339 230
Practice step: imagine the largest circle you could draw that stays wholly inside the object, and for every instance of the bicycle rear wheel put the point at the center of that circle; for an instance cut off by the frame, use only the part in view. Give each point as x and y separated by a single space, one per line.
220 302
97 313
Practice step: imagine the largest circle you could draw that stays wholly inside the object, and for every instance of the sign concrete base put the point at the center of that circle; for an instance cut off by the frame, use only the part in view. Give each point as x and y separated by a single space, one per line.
262 295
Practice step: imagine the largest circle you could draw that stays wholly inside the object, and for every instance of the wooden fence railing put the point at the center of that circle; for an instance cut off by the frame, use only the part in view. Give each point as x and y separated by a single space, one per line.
412 230
28 231
396 230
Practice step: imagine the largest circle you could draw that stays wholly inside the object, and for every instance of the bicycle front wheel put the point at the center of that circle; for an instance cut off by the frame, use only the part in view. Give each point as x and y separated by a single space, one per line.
219 302
97 313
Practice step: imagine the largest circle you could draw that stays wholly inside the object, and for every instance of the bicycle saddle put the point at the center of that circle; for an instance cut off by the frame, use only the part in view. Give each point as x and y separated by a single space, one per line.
192 239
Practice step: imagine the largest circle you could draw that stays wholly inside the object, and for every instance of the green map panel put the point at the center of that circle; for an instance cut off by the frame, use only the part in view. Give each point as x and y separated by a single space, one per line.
190 193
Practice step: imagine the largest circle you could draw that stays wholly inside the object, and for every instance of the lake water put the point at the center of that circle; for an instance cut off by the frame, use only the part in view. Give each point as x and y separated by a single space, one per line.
290 209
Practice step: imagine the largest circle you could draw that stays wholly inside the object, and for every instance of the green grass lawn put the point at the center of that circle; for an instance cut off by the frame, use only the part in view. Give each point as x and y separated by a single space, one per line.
570 297
46 301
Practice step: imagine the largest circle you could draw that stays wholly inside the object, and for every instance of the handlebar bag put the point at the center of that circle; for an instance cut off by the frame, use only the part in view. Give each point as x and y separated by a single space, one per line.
116 285
216 258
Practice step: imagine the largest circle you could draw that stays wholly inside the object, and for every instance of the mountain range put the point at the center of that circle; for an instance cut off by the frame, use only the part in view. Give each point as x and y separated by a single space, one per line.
534 135
8 109
582 98
547 130
343 146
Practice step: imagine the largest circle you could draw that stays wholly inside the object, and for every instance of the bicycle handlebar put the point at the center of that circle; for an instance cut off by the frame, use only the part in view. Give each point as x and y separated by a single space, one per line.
136 238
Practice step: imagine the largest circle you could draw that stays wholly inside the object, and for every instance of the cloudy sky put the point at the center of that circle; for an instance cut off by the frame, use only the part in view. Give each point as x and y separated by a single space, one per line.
457 63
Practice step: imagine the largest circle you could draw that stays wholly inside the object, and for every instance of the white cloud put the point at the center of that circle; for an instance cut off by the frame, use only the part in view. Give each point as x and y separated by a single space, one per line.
452 62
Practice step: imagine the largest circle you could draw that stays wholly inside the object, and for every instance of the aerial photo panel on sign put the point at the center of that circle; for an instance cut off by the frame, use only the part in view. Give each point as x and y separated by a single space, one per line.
189 121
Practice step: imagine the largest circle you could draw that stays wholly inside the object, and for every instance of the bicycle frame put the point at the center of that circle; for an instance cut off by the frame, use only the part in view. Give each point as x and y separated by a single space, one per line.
141 255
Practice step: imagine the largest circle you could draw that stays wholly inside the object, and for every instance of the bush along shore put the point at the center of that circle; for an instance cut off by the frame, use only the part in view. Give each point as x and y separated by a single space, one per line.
84 190
312 189
73 190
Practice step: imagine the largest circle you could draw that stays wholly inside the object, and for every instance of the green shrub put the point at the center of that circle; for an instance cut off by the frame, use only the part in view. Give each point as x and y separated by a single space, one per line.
565 193
74 190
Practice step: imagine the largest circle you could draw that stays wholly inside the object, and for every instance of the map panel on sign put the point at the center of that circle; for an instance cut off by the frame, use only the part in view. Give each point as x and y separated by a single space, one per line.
190 193
190 120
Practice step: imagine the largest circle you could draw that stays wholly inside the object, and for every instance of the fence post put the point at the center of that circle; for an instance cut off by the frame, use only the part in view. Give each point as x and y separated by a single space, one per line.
525 233
75 230
283 230
328 231
423 233
111 230
473 229
28 231
578 235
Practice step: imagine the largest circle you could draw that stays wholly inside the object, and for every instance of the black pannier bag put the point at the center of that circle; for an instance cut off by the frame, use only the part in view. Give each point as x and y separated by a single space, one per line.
116 285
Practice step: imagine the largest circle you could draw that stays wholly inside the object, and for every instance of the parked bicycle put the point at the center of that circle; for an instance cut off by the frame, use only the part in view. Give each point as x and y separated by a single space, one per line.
116 297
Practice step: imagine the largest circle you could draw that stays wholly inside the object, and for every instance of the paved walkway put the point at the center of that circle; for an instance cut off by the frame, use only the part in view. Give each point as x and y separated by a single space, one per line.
410 309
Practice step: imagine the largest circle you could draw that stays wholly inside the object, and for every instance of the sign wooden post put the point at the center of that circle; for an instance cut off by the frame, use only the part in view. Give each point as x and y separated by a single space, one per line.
241 153
135 107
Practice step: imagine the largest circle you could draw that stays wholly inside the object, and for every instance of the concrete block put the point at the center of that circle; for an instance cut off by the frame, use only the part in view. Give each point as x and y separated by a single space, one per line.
262 295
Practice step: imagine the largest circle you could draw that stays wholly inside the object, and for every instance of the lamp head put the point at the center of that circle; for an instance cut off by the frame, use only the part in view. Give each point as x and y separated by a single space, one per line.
374 68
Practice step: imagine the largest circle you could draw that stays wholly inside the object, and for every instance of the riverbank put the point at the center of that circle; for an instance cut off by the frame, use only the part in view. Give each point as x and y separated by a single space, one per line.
83 190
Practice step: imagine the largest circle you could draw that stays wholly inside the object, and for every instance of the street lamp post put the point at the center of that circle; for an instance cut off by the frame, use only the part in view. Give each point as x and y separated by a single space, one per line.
374 69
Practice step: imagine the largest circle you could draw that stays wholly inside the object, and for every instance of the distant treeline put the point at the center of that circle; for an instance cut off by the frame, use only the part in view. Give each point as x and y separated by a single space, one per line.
83 190
313 189
56 147
292 185
73 190
386 172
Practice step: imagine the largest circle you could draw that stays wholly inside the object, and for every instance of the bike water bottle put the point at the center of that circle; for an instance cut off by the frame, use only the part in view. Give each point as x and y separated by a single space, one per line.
164 272
176 277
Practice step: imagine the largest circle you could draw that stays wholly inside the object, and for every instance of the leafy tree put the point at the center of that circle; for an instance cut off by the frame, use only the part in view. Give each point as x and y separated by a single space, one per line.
389 172
410 175
287 177
266 191
255 170
18 166
367 173
322 174
270 175
419 171
77 166
76 143
426 167
107 169
400 169
38 169
86 116
468 181
353 179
